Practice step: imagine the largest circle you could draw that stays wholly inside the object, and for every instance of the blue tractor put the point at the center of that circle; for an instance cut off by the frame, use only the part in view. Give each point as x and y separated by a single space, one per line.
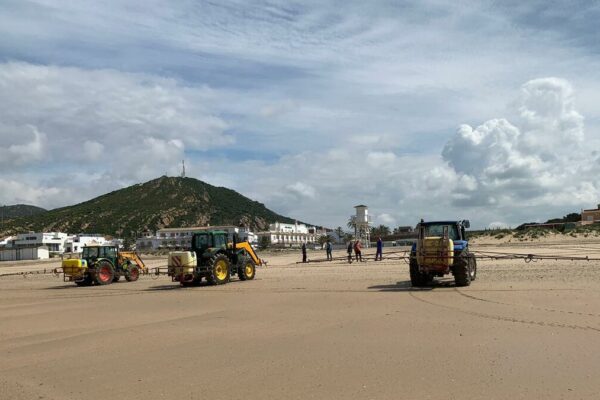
442 248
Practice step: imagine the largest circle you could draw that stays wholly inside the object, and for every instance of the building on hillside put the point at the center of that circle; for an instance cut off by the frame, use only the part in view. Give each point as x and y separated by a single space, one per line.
282 234
181 238
591 216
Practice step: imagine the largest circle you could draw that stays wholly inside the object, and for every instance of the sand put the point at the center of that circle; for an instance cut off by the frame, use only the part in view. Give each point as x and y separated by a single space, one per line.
321 331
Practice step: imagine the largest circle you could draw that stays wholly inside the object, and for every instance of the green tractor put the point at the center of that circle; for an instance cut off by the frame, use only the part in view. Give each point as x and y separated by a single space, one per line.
102 265
214 258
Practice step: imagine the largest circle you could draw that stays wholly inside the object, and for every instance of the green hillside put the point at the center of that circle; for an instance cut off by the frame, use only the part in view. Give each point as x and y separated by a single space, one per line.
160 203
19 210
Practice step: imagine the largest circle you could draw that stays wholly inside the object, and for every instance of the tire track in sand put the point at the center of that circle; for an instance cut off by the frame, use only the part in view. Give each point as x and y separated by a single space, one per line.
505 318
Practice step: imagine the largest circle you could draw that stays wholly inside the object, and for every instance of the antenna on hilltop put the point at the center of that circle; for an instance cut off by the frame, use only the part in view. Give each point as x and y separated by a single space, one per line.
183 168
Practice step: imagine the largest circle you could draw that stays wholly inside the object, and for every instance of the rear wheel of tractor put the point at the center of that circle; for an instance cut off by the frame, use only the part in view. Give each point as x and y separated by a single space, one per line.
218 270
133 273
105 273
472 267
247 270
462 275
417 278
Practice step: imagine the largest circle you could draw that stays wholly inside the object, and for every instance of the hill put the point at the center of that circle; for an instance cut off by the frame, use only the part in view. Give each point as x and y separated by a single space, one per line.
20 210
159 203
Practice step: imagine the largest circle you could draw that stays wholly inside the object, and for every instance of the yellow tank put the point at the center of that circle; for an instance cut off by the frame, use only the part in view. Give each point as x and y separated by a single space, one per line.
74 267
182 263
435 252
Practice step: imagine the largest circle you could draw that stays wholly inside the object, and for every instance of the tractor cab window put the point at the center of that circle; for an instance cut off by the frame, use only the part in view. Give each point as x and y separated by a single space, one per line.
89 252
201 241
109 252
220 240
438 230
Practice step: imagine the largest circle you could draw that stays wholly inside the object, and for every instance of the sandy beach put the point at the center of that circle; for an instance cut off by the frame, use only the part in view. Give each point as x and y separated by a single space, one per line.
320 330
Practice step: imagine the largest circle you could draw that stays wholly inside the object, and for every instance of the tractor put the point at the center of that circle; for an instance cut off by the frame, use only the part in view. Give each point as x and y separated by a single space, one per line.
102 265
214 258
442 248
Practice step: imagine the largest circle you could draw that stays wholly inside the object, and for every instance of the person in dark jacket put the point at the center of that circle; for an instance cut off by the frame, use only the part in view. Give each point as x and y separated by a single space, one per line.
379 253
328 249
303 252
349 249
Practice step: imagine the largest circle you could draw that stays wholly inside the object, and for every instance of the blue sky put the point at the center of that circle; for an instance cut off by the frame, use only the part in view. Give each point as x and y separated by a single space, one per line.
432 109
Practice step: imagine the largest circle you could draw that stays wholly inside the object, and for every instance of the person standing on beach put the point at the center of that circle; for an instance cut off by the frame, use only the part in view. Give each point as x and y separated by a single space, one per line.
303 252
379 252
349 249
357 252
328 249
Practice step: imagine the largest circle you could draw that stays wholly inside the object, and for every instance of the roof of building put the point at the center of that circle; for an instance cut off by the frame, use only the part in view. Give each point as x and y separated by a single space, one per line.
195 228
360 205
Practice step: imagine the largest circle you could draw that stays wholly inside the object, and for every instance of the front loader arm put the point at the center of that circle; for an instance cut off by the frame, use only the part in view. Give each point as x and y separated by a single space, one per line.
133 256
246 246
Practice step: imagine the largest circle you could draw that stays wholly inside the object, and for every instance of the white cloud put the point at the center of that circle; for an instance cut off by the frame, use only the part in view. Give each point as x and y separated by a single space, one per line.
302 189
22 144
542 159
386 219
131 127
498 225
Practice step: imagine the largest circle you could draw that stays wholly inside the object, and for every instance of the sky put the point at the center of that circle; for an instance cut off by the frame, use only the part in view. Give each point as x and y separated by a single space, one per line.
487 111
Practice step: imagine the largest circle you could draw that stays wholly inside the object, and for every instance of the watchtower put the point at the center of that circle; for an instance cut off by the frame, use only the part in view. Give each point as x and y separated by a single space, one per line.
362 220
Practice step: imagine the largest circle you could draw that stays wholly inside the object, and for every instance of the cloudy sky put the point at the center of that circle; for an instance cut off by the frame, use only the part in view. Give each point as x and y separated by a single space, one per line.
431 109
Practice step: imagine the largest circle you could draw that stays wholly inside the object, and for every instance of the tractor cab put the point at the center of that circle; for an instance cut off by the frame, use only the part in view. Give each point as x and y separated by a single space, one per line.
209 242
93 253
456 229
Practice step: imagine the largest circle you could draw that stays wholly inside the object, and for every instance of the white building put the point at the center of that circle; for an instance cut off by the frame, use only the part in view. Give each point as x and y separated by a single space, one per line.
58 242
76 243
291 235
170 238
53 241
26 253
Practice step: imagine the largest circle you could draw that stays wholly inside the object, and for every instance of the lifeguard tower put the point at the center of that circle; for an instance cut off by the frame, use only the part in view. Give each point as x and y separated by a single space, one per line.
361 222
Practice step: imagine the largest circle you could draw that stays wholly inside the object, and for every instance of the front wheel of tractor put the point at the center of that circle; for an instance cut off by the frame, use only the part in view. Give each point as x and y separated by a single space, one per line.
247 270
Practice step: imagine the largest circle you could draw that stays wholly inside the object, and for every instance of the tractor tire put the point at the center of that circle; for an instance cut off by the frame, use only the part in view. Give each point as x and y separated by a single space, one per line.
247 270
86 281
218 270
417 278
472 267
132 274
461 270
105 273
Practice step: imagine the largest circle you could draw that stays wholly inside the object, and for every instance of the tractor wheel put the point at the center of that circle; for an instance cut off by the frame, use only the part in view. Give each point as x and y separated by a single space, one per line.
417 278
105 273
133 273
462 275
247 270
472 267
86 281
218 270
